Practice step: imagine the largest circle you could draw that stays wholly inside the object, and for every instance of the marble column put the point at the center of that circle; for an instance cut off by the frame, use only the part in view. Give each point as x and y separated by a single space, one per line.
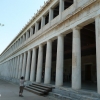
97 28
28 65
14 66
76 59
20 67
36 27
50 14
27 35
31 31
24 65
39 65
47 78
24 38
33 65
42 21
59 62
17 67
61 8
10 68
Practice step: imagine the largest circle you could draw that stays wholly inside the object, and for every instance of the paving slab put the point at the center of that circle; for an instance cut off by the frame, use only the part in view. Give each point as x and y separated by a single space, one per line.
10 91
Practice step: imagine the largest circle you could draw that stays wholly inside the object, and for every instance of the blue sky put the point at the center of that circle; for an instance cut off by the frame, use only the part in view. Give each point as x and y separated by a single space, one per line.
14 14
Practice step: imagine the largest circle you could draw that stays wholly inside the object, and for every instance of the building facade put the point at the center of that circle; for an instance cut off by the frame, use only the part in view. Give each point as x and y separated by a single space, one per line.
60 45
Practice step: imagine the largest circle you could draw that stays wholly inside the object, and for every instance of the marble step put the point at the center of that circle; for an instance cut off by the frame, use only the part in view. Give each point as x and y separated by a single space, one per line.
71 97
81 92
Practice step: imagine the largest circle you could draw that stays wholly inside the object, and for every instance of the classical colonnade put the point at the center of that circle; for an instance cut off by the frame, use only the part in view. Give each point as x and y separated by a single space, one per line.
20 64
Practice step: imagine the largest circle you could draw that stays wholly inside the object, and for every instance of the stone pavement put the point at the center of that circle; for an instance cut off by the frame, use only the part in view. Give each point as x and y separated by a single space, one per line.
9 91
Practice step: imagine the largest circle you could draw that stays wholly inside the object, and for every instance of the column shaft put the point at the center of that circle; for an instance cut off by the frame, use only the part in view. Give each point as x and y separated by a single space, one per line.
27 35
59 63
97 27
31 31
17 67
36 27
20 67
24 65
76 59
42 21
61 8
28 65
33 65
39 65
48 63
50 14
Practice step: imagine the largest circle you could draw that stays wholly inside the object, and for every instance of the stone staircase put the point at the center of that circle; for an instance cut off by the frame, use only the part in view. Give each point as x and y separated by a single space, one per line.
39 89
69 94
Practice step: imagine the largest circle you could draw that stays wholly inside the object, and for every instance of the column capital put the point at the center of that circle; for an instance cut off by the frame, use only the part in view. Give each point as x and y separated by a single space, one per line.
50 40
40 45
77 27
97 16
60 35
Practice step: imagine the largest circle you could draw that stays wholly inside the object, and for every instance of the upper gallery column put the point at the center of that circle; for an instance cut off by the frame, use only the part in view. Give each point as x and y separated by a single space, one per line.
48 62
76 59
50 14
42 21
36 27
28 65
31 31
61 8
27 35
97 27
24 64
59 62
39 65
33 65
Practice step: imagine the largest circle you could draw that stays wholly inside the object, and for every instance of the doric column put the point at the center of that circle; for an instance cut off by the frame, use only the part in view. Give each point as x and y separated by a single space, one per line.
17 67
97 28
20 41
33 65
24 38
50 14
14 67
61 8
39 65
31 31
59 63
27 35
10 67
48 62
28 65
20 67
36 27
42 21
76 59
24 65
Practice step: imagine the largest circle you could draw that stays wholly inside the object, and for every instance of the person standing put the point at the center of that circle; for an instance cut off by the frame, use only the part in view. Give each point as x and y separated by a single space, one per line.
21 86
